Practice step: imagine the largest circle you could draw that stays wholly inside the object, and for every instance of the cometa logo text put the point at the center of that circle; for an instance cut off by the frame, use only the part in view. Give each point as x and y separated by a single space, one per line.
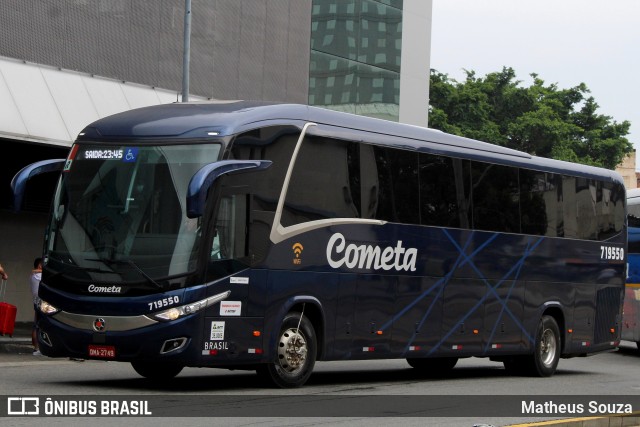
104 289
370 257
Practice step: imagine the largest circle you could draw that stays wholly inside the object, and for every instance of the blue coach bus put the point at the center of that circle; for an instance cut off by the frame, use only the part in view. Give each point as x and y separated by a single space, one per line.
631 308
267 237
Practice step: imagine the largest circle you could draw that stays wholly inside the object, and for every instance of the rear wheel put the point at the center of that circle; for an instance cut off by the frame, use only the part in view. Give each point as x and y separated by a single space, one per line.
295 355
544 360
157 370
437 366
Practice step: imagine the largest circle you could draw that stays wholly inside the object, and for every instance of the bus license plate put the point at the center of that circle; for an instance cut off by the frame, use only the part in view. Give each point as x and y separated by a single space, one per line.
102 351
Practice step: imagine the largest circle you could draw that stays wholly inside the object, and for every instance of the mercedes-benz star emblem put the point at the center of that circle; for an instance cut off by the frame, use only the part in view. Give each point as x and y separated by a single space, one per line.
99 325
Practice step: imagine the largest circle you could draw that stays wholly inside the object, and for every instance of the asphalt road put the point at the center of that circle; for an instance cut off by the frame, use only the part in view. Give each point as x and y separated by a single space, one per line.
349 389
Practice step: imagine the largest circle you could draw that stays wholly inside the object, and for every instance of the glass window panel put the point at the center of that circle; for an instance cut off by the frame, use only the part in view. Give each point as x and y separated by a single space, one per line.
586 209
444 191
612 212
398 199
541 203
495 197
320 186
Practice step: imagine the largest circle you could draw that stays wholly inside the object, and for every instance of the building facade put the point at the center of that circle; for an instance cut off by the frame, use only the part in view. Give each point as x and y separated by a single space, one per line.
66 63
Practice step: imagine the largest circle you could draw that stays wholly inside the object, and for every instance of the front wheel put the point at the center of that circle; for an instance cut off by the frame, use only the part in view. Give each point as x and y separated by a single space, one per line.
296 353
157 370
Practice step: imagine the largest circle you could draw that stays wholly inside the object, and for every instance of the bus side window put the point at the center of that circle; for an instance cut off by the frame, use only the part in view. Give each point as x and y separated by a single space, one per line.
586 201
612 210
444 191
496 197
320 185
541 203
369 184
397 196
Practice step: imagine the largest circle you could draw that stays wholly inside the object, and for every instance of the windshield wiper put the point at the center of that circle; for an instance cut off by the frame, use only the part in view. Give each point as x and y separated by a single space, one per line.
132 264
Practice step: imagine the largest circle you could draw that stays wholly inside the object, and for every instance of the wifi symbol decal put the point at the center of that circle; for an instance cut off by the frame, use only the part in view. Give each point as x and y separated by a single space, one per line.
297 250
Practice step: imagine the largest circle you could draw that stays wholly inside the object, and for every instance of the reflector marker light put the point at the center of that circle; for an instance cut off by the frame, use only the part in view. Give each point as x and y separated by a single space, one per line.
368 349
613 330
414 348
256 333
456 347
209 352
585 343
379 332
496 345
570 331
255 351
475 332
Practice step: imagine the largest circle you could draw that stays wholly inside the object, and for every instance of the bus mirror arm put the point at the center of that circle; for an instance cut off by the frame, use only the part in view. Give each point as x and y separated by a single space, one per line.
19 181
202 180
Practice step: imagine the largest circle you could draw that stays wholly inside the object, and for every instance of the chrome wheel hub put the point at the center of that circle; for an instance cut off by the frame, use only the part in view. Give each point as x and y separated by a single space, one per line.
292 351
548 347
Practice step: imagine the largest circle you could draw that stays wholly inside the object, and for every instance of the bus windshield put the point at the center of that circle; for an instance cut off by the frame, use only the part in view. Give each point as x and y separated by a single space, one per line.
119 213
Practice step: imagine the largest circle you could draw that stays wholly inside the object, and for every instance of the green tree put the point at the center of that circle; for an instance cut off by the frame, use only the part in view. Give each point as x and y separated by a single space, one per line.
540 119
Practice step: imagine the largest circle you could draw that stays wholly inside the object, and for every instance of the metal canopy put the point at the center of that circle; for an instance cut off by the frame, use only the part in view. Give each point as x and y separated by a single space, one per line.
44 104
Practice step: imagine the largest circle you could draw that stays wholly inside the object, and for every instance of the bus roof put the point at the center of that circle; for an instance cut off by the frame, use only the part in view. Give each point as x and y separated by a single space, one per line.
198 120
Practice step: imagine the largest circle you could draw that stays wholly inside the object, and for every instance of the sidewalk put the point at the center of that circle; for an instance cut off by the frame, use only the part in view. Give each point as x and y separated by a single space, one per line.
19 342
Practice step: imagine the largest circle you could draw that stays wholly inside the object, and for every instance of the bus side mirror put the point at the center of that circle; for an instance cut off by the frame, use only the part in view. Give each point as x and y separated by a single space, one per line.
19 181
202 180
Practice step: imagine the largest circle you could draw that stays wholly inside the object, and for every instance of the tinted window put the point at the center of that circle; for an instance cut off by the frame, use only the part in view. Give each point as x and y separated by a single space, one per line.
399 189
271 143
541 203
585 201
495 193
444 191
320 185
611 210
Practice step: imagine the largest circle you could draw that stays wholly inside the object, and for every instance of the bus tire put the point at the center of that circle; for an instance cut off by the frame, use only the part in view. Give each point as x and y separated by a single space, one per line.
546 355
437 366
295 356
157 370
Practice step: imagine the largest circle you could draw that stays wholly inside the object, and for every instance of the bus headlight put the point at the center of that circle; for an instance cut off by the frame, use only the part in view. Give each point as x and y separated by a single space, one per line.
177 312
47 308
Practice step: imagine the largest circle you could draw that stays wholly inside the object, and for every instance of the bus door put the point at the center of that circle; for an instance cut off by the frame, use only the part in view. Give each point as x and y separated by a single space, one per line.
227 332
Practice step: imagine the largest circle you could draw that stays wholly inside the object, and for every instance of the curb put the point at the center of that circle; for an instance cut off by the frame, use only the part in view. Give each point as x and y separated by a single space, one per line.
19 342
631 420
16 347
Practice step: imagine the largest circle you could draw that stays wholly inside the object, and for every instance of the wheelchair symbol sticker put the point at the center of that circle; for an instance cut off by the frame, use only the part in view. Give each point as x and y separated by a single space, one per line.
130 155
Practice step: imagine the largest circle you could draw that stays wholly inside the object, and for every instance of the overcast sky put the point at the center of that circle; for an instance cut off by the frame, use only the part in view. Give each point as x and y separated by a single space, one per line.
566 42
